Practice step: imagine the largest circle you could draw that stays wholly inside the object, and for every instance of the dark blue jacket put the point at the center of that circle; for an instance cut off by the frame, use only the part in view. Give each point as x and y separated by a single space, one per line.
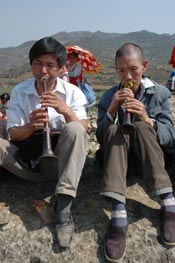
156 99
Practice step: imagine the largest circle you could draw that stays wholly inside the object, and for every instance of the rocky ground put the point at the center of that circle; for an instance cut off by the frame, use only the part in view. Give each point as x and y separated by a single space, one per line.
24 238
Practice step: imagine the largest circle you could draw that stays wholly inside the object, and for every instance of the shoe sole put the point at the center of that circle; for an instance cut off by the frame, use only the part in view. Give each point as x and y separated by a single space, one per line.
113 260
66 245
171 244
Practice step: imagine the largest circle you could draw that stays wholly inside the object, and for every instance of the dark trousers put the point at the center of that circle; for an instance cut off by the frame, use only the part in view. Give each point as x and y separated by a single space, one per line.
147 157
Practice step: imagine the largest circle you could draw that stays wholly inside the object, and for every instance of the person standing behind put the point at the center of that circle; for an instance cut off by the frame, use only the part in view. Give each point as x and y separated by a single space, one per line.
149 106
66 114
75 69
5 97
64 74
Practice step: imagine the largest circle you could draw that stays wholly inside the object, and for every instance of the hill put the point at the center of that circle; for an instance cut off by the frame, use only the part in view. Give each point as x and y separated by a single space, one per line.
157 48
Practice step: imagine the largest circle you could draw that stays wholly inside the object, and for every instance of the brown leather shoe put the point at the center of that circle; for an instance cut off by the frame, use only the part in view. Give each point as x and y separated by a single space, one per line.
115 243
168 228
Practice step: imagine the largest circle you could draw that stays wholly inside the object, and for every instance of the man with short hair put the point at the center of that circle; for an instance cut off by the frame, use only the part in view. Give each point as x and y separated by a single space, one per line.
149 109
63 107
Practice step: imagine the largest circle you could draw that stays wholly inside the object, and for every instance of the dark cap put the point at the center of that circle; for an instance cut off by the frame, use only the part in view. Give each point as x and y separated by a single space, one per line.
5 96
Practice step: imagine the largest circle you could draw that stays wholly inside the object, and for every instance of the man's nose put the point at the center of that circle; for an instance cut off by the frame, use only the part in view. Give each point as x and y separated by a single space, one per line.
44 69
128 75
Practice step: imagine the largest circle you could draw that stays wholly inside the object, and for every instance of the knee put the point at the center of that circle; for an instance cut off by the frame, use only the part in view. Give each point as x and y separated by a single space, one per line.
140 124
74 129
5 147
142 127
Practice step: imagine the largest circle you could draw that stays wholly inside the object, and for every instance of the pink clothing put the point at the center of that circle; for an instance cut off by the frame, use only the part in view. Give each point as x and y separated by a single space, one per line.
65 76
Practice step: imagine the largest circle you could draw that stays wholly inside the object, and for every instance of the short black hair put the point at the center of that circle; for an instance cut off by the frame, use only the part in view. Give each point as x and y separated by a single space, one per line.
48 45
5 96
129 49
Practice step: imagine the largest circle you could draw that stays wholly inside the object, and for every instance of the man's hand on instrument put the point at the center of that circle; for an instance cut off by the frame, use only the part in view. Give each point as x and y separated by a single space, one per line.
118 99
136 107
51 99
38 117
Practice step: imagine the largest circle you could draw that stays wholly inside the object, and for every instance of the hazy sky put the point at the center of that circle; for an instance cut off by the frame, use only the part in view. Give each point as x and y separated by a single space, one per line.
24 20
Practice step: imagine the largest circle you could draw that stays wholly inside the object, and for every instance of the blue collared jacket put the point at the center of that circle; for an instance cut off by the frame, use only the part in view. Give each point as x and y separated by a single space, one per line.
156 99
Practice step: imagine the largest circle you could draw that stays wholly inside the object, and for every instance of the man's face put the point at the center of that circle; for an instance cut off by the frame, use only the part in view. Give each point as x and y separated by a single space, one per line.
45 66
3 101
130 69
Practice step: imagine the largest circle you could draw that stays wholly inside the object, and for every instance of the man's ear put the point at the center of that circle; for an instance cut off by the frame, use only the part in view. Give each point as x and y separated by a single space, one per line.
145 64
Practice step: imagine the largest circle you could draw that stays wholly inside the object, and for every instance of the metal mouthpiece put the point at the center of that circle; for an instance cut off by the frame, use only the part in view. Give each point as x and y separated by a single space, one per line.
44 78
129 84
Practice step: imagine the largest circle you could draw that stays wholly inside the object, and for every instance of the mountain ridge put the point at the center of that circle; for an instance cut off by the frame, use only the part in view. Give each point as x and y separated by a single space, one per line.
157 47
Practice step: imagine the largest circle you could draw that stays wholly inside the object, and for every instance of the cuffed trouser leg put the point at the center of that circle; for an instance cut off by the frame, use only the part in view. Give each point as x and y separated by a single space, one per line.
116 146
71 151
151 160
9 162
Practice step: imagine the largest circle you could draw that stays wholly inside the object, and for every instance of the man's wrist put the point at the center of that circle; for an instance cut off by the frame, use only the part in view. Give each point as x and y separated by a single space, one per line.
151 122
154 124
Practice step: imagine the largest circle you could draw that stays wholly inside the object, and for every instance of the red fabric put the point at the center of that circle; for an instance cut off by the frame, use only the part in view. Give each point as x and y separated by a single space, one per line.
88 61
74 80
172 60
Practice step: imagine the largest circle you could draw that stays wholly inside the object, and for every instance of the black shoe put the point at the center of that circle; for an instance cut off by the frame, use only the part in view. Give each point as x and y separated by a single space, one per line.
168 228
115 243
